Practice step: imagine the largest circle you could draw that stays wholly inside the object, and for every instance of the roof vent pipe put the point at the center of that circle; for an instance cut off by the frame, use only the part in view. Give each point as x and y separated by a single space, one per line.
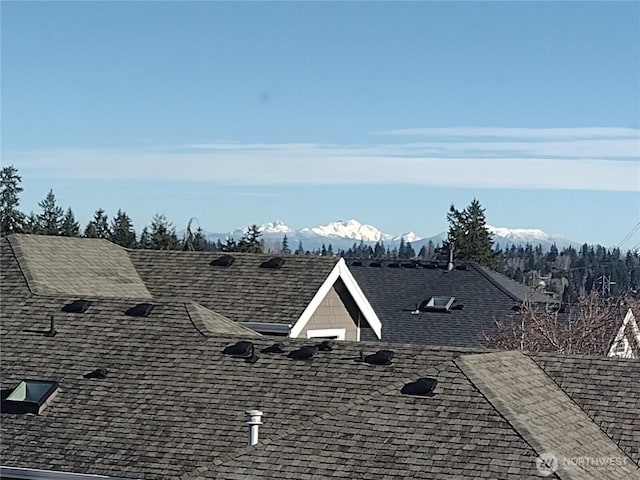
254 420
450 265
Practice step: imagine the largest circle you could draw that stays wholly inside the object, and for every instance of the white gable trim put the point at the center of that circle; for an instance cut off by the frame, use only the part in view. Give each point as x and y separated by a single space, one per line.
341 271
629 319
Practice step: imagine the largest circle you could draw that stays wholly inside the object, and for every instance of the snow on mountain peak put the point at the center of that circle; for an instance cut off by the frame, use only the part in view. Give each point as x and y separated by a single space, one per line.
526 234
275 227
349 229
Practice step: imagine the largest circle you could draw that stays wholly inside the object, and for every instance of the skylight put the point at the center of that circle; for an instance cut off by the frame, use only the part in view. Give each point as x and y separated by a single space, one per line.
30 396
437 304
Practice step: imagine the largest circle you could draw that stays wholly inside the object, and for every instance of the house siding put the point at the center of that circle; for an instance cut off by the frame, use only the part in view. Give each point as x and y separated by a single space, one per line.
337 310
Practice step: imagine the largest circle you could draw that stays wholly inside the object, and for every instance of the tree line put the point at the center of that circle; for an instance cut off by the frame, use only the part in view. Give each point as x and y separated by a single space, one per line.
52 219
567 274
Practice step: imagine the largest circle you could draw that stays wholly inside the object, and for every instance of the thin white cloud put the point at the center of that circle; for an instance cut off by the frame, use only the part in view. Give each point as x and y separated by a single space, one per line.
518 133
311 164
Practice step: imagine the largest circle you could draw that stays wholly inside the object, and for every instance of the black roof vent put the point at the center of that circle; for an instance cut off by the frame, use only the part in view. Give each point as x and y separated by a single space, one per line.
275 348
381 357
423 387
356 263
97 373
242 349
394 265
140 310
457 306
430 265
222 261
304 353
409 265
375 264
30 396
79 306
462 266
326 346
273 263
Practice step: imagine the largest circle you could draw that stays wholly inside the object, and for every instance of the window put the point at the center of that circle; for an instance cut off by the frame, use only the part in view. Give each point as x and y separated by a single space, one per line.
621 348
328 333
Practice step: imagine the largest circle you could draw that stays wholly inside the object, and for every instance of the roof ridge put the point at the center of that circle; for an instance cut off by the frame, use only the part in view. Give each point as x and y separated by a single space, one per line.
532 430
481 271
17 256
582 409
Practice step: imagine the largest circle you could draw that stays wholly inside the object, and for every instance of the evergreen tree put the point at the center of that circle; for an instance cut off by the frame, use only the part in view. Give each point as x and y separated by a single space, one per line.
50 220
409 251
70 228
121 231
300 249
330 250
284 248
379 250
200 242
401 249
468 235
323 251
98 227
31 224
11 219
145 239
230 246
250 241
163 234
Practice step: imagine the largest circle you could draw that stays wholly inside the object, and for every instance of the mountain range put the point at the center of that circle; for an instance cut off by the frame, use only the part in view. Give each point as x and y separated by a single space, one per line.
343 234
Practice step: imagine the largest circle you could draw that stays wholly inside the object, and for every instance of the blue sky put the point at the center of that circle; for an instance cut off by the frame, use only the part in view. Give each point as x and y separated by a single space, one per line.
387 112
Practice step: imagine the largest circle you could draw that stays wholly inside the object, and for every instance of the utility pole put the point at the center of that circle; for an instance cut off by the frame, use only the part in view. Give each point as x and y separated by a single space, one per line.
605 282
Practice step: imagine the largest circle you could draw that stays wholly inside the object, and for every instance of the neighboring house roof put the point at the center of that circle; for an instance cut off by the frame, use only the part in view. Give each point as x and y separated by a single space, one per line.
241 290
395 292
521 292
172 404
246 292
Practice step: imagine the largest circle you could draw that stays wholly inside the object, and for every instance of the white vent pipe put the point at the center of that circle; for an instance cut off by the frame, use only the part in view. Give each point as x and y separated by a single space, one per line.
254 420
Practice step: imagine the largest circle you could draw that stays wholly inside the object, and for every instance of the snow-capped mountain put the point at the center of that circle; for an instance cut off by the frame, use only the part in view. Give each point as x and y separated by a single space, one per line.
343 234
521 236
351 229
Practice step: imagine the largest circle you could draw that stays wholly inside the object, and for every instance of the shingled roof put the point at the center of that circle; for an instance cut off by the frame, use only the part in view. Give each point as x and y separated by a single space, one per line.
31 287
395 292
78 266
242 291
251 288
172 404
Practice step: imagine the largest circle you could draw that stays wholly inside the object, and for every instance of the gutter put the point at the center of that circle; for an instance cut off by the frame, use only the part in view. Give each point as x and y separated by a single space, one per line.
37 474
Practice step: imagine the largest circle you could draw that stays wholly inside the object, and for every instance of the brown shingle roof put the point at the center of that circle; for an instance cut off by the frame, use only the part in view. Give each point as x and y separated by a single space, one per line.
76 266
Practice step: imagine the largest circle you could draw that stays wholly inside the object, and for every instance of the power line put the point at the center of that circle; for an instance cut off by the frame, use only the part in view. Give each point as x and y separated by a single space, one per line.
629 235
